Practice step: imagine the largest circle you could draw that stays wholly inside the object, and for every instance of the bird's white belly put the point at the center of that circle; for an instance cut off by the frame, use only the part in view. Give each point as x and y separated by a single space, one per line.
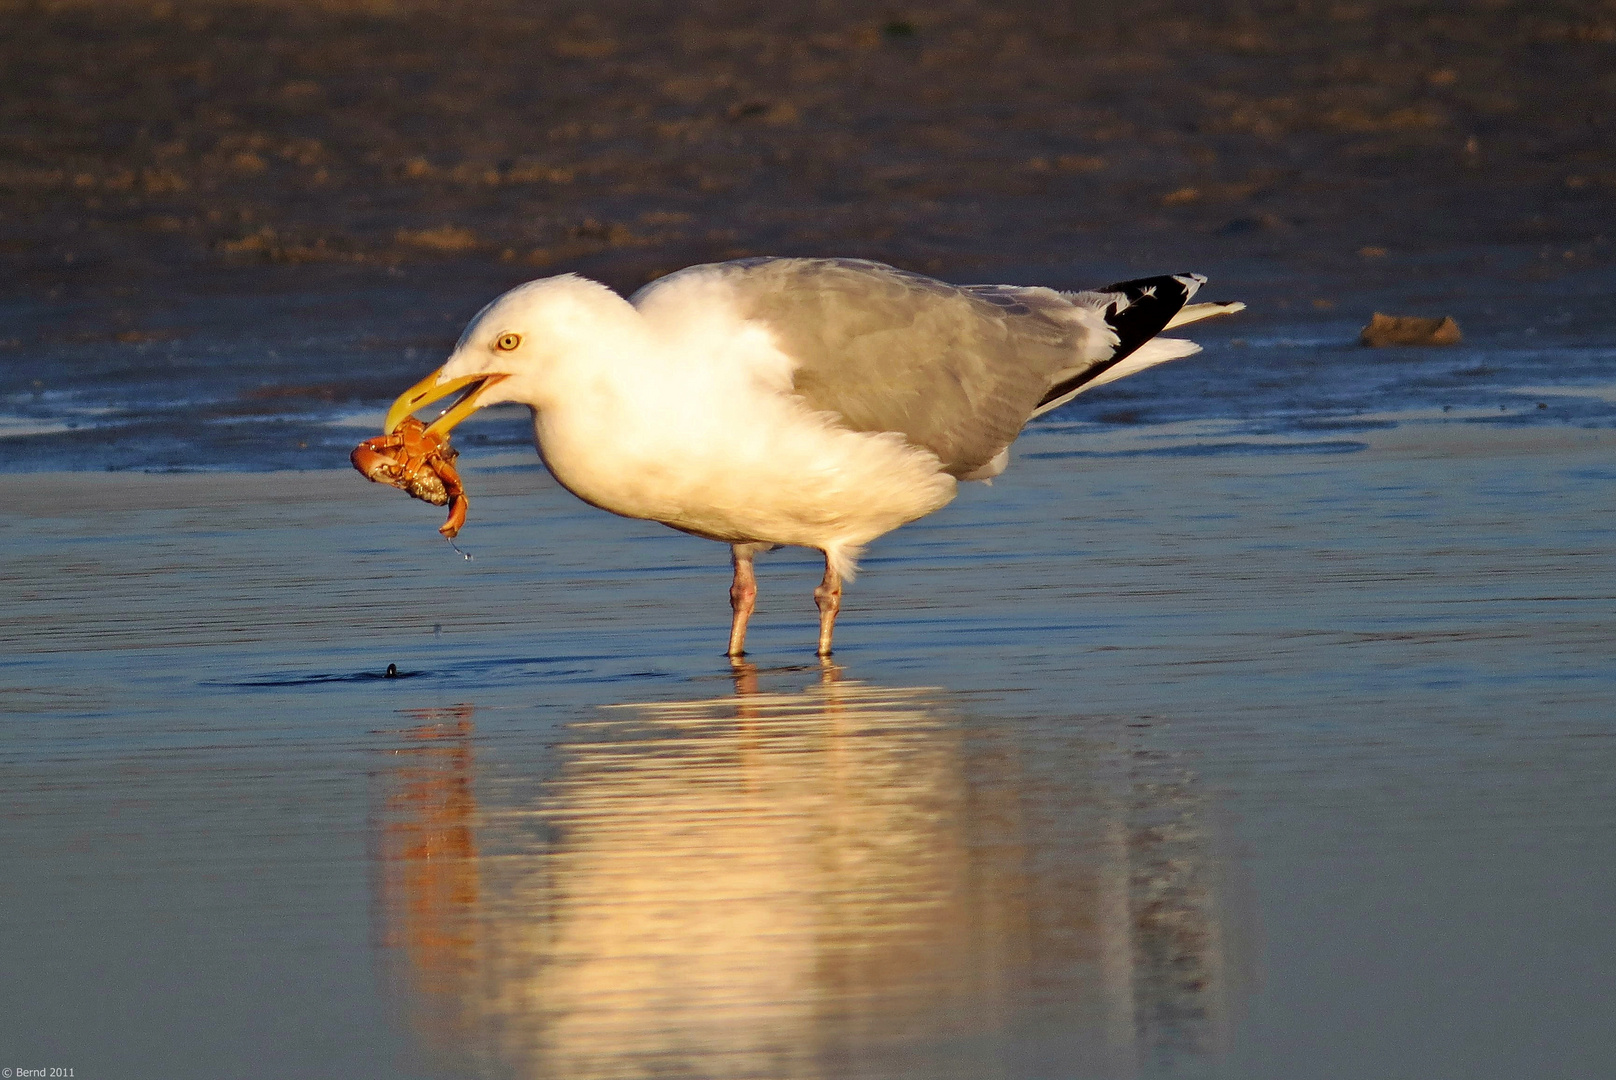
776 473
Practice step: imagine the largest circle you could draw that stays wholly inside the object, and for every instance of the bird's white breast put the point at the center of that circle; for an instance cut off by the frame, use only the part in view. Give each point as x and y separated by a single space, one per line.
698 428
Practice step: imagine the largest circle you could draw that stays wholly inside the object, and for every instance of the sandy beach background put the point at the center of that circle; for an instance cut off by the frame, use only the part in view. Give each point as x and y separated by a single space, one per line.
1257 723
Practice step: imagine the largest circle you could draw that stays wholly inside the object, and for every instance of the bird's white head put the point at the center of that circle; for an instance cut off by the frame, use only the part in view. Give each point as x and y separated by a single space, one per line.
514 347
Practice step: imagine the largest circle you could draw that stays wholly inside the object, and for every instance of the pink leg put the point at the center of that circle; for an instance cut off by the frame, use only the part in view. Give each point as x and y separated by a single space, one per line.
742 596
829 598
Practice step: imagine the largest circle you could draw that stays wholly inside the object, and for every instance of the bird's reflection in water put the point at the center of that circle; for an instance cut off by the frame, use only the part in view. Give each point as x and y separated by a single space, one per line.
426 880
842 881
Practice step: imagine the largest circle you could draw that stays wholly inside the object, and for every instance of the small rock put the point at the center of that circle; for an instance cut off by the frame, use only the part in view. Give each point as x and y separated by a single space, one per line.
1386 330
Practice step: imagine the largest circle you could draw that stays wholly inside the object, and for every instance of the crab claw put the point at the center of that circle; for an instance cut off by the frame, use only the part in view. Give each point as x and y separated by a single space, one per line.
371 464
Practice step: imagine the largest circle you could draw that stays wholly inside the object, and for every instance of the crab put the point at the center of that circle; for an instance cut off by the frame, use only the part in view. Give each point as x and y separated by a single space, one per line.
419 461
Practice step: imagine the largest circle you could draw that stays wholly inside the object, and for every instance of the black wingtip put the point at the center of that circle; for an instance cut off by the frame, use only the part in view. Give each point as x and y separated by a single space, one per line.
1145 306
1137 311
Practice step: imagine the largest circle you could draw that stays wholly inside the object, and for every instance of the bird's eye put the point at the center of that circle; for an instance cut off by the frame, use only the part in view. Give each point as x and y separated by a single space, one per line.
508 342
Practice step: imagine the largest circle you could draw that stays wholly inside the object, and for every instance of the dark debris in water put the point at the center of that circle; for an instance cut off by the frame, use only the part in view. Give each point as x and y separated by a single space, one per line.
569 668
315 679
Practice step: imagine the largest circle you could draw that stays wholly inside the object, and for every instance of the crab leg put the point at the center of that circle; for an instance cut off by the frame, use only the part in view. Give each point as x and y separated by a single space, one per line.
458 503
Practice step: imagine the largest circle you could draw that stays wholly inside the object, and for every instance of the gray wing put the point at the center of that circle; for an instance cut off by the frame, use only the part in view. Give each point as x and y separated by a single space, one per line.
956 370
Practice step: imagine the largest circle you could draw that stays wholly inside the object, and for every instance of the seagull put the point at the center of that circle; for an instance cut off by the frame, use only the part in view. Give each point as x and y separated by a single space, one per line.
818 403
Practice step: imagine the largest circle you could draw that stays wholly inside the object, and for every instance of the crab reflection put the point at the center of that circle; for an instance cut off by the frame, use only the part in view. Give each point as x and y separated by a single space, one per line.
842 881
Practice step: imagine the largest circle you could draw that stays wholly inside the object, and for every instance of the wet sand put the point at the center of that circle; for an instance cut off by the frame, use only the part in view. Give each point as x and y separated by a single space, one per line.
628 138
1285 762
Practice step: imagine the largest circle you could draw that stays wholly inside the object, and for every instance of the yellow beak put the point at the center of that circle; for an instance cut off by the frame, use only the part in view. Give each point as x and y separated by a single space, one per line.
429 390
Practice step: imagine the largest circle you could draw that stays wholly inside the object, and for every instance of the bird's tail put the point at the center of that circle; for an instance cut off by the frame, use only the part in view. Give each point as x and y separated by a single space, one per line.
1191 313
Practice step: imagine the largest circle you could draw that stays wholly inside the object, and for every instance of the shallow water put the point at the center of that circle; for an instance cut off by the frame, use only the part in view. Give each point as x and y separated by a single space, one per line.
1279 761
287 369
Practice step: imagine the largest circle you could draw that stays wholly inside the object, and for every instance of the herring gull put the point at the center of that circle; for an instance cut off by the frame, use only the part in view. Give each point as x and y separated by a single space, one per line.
786 401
